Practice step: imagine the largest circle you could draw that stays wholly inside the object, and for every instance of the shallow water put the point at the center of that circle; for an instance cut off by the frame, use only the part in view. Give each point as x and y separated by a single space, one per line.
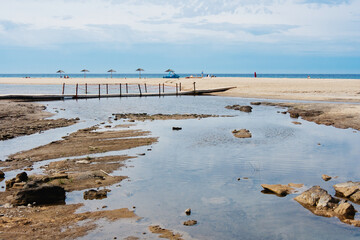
198 168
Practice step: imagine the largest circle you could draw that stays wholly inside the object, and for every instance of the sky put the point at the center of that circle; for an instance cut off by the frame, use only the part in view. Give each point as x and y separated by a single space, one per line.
189 36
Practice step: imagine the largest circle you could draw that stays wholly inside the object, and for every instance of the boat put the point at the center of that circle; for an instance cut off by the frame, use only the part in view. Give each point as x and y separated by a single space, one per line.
172 74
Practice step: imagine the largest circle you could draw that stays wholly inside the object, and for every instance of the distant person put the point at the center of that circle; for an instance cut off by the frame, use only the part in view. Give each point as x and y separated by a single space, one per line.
308 77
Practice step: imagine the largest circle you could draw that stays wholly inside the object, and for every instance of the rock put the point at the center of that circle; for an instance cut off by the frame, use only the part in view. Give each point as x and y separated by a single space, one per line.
278 189
82 162
94 194
190 223
240 108
77 119
345 210
188 211
46 194
2 174
255 103
21 177
296 123
317 197
176 128
294 115
242 133
346 189
325 177
355 197
7 205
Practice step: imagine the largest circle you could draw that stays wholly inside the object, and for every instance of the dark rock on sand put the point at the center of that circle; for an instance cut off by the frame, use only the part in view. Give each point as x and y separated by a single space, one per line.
240 108
242 133
46 194
190 223
326 177
94 194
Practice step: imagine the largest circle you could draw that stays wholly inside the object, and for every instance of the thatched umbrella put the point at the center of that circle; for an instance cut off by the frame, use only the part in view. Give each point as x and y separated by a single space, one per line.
111 71
60 71
169 70
84 71
140 70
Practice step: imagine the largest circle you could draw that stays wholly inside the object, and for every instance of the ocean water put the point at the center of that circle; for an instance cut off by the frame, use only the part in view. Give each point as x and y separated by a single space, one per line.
145 75
198 168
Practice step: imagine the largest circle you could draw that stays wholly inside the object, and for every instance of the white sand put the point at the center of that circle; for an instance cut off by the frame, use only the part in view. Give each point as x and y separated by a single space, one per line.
347 90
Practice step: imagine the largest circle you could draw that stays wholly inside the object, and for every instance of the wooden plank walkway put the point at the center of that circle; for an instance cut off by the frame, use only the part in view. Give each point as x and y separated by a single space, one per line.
33 97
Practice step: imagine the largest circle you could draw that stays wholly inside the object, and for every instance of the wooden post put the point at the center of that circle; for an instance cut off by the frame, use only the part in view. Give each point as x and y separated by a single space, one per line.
139 89
77 87
99 90
120 89
176 89
159 89
85 88
107 89
180 87
63 90
145 87
163 88
194 88
127 89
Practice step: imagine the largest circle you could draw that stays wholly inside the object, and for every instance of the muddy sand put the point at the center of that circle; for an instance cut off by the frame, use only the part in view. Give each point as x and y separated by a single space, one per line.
24 118
337 115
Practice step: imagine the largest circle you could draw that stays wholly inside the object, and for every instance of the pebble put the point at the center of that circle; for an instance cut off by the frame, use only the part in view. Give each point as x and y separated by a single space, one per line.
188 211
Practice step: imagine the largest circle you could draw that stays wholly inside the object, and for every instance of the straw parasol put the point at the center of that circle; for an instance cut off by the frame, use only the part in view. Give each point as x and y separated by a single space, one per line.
84 71
140 70
60 71
111 71
169 70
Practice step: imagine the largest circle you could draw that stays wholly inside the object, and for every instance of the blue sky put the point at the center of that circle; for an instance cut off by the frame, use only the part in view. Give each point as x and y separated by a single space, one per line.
217 36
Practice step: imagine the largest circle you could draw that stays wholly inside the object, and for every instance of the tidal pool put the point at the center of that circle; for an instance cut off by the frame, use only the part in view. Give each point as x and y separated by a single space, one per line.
199 166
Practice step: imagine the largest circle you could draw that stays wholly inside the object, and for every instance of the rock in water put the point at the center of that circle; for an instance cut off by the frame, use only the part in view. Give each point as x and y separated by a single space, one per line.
2 174
94 194
240 108
280 190
347 189
190 223
317 197
325 177
176 128
345 210
21 177
188 211
242 133
46 194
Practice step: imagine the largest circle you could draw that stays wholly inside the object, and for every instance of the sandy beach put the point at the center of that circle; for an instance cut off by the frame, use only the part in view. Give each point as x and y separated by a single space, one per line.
337 90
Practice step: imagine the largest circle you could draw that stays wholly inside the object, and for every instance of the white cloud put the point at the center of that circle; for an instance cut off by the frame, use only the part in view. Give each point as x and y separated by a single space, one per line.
44 22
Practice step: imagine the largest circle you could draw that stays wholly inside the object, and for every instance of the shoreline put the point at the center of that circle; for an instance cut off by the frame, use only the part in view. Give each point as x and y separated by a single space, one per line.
331 90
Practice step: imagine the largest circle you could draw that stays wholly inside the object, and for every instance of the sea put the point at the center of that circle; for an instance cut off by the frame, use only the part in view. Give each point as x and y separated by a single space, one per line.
160 75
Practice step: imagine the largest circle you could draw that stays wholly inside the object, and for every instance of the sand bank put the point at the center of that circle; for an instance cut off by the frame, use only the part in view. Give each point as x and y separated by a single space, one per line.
346 90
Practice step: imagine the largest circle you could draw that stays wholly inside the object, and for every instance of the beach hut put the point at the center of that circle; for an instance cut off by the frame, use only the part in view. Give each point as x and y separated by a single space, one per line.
140 70
111 71
60 71
84 71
